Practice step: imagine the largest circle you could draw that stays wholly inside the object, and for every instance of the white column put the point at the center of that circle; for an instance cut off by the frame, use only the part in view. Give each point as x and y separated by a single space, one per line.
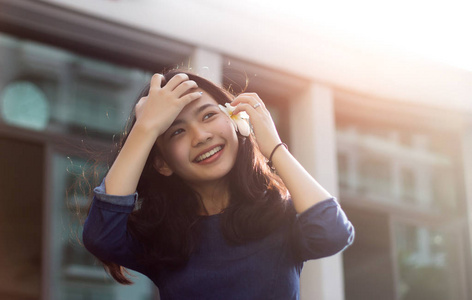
313 143
207 64
467 159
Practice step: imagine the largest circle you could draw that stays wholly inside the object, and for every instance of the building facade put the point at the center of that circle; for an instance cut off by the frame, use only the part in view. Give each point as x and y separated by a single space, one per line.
69 74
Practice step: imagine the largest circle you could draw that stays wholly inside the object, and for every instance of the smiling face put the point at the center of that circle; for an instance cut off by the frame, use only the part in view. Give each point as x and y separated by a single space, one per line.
201 145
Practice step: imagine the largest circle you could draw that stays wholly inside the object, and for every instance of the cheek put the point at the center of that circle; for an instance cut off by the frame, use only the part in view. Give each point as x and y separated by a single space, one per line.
175 154
227 127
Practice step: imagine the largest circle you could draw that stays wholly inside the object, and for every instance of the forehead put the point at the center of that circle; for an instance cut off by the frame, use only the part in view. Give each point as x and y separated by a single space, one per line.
190 108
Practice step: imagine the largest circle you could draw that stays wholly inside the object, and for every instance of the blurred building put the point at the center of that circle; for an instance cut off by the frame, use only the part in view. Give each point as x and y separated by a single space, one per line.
390 137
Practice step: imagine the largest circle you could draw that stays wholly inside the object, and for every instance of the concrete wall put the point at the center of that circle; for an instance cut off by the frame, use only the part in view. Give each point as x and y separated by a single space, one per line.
256 37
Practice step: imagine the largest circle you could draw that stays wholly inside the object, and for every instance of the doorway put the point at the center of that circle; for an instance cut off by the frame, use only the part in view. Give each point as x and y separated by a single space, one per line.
21 199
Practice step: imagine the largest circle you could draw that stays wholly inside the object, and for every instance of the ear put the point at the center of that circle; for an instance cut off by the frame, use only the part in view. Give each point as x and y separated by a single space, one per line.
162 167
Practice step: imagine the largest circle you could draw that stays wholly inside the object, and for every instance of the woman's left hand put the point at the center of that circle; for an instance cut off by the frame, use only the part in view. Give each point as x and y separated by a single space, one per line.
263 125
304 190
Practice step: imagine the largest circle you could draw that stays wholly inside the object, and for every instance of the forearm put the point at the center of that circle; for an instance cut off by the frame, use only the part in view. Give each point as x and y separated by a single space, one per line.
105 232
123 176
303 188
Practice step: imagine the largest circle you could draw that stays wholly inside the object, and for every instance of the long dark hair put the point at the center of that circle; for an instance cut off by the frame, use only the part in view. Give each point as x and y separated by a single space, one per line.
166 218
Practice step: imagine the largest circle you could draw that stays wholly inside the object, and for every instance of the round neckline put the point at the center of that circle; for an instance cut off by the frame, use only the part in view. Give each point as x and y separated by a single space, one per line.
208 217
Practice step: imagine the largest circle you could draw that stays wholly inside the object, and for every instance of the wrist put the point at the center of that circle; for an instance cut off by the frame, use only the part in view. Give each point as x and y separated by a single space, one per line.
274 150
146 127
146 130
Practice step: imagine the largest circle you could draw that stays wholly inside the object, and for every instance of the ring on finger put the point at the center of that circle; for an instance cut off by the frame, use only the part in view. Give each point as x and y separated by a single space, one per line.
256 105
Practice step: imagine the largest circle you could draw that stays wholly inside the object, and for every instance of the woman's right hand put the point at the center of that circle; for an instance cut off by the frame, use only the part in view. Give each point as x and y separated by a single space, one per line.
154 115
162 105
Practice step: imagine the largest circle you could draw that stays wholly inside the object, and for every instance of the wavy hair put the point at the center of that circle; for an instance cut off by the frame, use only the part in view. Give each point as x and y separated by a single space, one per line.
166 219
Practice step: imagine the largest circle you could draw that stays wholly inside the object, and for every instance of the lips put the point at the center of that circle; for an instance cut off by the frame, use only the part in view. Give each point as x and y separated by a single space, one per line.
208 153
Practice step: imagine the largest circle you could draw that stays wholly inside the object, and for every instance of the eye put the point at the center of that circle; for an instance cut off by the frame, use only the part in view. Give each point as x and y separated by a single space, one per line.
176 132
208 115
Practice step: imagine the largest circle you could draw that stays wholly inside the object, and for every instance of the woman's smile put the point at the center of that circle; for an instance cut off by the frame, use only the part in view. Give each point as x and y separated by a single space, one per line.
201 145
209 156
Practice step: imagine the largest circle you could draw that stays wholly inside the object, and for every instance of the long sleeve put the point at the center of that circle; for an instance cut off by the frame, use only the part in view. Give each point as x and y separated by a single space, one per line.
322 230
105 232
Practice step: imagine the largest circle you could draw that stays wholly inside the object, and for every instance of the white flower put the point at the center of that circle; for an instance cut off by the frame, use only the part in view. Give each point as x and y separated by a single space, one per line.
240 121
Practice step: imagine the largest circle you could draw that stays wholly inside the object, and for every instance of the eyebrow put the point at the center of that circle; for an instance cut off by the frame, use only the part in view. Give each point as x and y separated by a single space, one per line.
197 111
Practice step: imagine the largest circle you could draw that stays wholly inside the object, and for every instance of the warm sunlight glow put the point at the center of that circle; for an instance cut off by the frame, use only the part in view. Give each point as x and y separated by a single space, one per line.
437 30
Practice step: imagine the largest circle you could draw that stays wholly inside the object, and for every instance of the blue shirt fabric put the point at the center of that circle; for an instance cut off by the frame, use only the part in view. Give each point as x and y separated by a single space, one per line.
264 269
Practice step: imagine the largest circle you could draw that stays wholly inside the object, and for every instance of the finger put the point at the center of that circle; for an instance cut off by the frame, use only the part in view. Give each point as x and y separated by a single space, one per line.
254 96
255 105
184 87
139 105
176 80
248 108
190 97
141 102
156 81
250 98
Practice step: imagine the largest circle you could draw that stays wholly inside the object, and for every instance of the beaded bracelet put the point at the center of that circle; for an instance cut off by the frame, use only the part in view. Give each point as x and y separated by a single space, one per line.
272 154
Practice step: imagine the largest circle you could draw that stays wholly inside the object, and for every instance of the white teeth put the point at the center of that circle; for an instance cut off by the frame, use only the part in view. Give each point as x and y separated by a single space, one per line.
208 154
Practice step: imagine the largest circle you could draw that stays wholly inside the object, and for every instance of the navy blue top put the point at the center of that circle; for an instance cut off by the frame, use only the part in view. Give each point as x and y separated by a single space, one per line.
264 269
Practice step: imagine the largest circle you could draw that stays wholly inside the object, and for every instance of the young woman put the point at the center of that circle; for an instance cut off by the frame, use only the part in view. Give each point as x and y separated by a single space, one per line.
212 219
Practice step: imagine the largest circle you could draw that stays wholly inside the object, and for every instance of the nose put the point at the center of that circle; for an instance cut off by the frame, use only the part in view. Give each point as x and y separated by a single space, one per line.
200 135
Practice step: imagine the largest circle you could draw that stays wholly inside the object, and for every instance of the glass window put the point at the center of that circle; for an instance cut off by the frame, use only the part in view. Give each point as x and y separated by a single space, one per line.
76 273
48 89
385 167
427 263
410 181
374 174
65 92
23 104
